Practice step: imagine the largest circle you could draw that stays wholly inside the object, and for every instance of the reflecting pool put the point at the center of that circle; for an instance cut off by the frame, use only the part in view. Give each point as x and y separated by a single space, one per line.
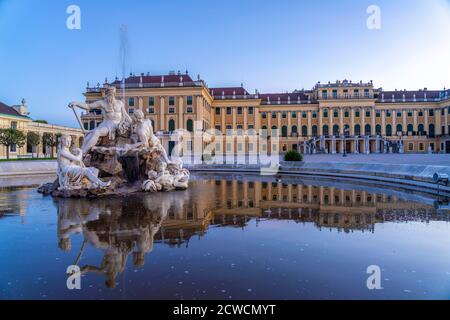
227 237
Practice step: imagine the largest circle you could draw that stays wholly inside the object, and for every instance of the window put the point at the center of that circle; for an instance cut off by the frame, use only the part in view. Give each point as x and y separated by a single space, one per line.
324 94
284 115
335 95
399 128
335 130
294 130
13 125
151 110
151 101
346 94
356 93
284 131
335 113
131 111
239 110
189 109
410 128
410 114
357 114
431 112
388 113
421 147
171 110
304 115
378 129
171 125
218 128
410 146
389 130
250 147
171 101
420 113
325 113
378 114
346 114
314 131
399 114
431 132
13 148
366 93
250 110
314 114
189 100
217 111
442 112
131 102
304 131
325 130
86 126
357 130
368 113
274 115
294 115
264 115
190 125
421 129
367 130
228 110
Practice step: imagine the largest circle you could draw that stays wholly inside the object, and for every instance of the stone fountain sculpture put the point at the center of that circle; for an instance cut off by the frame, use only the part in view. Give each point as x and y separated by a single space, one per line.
121 156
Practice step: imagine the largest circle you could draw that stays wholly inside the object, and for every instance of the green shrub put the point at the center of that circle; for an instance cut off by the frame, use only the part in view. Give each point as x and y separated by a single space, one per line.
293 156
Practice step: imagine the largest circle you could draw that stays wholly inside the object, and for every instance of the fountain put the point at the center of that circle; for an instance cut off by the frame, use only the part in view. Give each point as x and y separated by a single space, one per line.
119 157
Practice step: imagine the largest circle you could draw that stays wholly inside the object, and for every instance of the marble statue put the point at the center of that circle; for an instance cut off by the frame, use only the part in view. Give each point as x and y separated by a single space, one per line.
122 150
72 173
115 117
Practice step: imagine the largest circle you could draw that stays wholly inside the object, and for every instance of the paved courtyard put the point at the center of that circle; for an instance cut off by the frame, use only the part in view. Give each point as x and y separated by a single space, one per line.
423 159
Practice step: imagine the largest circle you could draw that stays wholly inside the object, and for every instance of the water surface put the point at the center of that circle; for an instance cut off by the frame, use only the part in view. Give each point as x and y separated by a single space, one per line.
227 237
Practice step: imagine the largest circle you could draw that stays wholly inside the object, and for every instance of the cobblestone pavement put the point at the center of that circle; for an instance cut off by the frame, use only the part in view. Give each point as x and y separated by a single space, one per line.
420 159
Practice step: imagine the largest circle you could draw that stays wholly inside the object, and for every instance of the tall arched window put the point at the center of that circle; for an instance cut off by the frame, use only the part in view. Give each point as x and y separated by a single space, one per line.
399 128
294 130
389 130
314 131
357 130
431 132
367 130
325 130
190 125
304 131
378 129
284 131
346 130
421 129
171 125
410 128
336 130
274 132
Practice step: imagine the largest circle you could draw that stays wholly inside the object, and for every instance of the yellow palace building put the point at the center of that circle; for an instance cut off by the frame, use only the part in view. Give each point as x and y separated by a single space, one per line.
17 117
342 116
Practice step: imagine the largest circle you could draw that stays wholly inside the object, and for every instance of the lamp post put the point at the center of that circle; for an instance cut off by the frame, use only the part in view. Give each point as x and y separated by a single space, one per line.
345 142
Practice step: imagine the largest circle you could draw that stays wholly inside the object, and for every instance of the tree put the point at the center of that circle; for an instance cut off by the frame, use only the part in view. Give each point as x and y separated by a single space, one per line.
10 137
51 140
33 139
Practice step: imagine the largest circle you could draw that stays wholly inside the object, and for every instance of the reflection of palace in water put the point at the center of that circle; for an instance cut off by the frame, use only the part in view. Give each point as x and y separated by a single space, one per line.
129 227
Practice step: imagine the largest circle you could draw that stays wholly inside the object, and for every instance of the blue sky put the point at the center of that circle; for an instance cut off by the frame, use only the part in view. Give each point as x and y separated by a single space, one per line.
268 45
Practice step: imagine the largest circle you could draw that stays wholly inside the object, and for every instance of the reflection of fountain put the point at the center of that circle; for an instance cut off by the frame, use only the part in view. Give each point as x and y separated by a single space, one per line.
119 227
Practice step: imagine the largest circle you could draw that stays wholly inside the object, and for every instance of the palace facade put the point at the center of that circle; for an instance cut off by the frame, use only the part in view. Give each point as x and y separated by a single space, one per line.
337 117
17 117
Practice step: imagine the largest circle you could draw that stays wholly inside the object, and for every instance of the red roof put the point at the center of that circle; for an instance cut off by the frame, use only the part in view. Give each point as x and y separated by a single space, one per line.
156 79
284 97
228 91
